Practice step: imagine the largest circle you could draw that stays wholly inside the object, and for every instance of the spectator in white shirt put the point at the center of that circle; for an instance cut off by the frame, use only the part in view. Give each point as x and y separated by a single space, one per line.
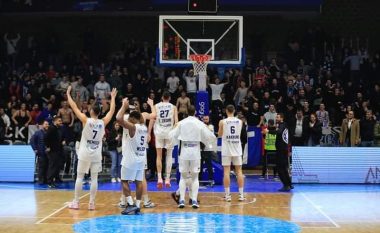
11 44
172 82
271 114
102 88
6 119
191 84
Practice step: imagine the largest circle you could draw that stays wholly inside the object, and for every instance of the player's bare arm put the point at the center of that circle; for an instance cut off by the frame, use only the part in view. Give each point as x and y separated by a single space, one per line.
81 116
120 118
110 113
220 131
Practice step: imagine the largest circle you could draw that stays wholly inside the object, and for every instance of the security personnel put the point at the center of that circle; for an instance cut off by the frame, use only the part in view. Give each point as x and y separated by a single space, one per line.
270 148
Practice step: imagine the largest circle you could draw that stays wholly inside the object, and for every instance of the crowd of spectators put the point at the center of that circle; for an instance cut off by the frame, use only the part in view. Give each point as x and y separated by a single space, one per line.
317 87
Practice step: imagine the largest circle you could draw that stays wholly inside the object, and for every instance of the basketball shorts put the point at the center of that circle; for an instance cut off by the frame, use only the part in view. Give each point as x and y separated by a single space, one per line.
189 166
131 174
164 143
86 166
234 160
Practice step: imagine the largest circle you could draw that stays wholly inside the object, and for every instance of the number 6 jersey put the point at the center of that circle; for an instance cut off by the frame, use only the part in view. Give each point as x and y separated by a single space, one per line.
91 142
231 144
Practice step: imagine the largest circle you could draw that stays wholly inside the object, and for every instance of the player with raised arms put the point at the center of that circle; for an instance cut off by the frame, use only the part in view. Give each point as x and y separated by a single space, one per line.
90 148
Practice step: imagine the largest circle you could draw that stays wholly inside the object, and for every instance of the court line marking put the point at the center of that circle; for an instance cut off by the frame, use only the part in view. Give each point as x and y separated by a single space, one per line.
58 210
320 210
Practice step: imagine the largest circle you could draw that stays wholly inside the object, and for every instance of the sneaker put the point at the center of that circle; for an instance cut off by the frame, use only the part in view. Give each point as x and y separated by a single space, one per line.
130 209
149 204
191 202
227 198
74 205
91 206
113 180
167 183
195 204
122 204
285 189
159 184
138 211
242 198
175 197
118 180
181 204
52 186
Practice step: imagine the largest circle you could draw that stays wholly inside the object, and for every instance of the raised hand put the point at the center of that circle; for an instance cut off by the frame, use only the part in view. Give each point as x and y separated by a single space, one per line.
125 102
150 102
68 91
113 93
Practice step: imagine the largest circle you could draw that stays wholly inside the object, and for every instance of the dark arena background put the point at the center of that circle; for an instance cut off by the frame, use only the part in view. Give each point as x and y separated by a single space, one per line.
302 75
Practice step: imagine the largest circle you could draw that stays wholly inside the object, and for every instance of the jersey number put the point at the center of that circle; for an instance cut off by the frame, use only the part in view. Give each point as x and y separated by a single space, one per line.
142 140
95 133
164 113
232 129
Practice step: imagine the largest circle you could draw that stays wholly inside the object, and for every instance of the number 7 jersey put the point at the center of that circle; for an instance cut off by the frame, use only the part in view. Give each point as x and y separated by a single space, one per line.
91 142
164 121
231 143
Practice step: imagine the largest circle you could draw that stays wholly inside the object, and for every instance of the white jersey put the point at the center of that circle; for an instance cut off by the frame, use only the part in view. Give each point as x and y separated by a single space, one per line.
135 148
164 121
231 144
91 142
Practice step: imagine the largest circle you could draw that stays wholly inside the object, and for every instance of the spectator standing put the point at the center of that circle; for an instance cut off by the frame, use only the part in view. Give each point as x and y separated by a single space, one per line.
114 147
102 88
54 147
350 133
323 115
367 132
172 82
22 117
80 92
298 129
191 85
11 44
313 131
183 103
6 120
37 141
271 114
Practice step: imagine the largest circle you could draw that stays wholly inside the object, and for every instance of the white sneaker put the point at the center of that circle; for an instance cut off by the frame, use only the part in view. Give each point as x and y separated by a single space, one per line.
91 206
74 205
118 180
227 198
242 198
113 180
149 204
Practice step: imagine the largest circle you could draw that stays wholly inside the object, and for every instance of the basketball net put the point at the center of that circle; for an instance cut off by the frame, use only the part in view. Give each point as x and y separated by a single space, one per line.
200 62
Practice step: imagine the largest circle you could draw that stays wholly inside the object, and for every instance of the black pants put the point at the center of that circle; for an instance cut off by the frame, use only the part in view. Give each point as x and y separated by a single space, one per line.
298 141
206 157
269 158
55 163
43 165
282 168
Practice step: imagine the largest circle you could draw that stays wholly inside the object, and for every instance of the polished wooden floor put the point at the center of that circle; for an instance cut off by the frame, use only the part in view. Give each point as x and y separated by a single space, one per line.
29 210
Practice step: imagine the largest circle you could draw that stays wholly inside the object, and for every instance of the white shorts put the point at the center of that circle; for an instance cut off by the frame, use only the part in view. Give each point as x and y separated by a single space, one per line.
86 166
235 160
189 166
164 143
131 175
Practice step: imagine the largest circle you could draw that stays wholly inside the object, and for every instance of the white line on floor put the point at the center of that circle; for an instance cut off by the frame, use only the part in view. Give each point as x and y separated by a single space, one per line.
60 209
320 210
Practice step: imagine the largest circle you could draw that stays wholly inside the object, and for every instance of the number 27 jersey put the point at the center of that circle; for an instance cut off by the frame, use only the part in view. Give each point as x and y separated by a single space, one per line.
164 121
231 144
91 142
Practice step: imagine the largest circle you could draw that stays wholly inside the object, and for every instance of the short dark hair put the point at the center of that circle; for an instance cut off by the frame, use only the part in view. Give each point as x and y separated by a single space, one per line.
135 115
230 108
55 118
166 95
191 110
281 115
41 122
97 109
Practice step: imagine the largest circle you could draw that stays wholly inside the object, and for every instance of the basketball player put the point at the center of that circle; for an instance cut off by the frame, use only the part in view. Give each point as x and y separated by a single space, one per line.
134 154
166 118
190 132
146 116
90 148
229 131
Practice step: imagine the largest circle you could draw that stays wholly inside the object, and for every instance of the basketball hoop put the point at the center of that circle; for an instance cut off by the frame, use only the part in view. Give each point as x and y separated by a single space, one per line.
200 62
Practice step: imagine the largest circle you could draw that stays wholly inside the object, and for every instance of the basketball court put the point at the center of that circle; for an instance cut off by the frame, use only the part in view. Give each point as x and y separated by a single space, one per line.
309 208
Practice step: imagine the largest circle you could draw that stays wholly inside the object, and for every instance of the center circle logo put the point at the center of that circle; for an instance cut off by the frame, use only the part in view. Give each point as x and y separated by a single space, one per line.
185 222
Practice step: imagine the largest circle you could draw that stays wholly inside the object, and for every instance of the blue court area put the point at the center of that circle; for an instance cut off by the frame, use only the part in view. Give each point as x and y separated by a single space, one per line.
185 222
252 184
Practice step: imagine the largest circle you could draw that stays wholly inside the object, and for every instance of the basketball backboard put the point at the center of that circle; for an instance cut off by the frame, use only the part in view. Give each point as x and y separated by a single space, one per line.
180 36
